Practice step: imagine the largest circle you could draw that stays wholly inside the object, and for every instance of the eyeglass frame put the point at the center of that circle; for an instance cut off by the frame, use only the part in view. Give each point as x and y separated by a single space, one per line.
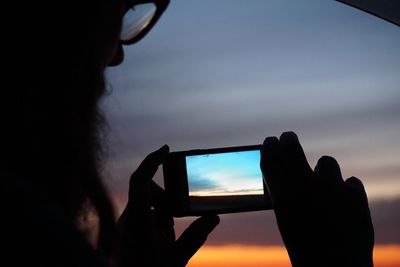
161 5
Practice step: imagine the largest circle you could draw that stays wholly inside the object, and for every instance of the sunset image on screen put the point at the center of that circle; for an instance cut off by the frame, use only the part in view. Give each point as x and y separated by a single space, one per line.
225 174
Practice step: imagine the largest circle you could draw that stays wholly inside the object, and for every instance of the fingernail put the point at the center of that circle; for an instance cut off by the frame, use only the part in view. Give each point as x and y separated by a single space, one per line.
328 168
270 141
290 136
164 148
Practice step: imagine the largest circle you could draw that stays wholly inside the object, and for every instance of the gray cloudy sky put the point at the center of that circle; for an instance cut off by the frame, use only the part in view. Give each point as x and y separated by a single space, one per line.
227 73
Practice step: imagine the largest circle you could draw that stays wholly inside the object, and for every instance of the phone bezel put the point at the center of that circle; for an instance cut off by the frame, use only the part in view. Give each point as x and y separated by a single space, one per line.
177 189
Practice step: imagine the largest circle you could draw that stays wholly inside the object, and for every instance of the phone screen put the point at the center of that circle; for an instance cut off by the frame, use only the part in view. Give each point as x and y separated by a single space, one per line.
224 180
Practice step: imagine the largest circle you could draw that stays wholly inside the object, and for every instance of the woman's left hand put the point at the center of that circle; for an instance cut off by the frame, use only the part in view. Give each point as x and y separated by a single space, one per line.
146 235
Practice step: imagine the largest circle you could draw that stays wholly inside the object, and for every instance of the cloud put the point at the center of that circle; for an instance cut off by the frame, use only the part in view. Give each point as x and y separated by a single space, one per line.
250 228
326 71
260 228
386 220
200 183
364 140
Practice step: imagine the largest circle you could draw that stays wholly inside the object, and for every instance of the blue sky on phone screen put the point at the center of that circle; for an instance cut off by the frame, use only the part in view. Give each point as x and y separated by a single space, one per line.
233 173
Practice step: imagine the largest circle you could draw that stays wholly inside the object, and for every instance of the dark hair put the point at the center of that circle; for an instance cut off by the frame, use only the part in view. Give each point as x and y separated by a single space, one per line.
52 125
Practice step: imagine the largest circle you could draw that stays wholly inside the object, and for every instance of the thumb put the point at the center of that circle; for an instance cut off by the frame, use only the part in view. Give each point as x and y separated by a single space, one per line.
194 237
140 182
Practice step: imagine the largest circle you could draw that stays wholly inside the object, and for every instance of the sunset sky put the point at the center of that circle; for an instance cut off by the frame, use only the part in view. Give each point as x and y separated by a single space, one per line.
229 73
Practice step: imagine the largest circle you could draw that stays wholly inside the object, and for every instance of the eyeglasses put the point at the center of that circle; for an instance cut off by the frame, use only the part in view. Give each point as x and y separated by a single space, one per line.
140 18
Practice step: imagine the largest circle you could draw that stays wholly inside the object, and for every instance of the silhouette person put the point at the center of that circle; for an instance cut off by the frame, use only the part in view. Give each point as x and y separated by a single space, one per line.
51 145
52 151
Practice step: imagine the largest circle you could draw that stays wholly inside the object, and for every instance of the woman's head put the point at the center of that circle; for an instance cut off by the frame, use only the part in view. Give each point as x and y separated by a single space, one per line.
56 77
52 125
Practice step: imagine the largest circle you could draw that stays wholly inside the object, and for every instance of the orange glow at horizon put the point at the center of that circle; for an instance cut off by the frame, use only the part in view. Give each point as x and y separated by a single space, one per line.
274 256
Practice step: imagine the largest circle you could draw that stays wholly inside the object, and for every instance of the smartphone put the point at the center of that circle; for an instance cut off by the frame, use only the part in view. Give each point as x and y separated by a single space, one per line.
215 181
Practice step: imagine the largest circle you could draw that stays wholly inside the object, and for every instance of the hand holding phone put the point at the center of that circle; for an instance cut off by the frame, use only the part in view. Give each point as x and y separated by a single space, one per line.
211 181
146 235
324 219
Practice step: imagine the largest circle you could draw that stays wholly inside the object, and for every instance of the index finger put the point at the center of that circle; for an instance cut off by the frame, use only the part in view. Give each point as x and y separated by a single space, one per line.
295 160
